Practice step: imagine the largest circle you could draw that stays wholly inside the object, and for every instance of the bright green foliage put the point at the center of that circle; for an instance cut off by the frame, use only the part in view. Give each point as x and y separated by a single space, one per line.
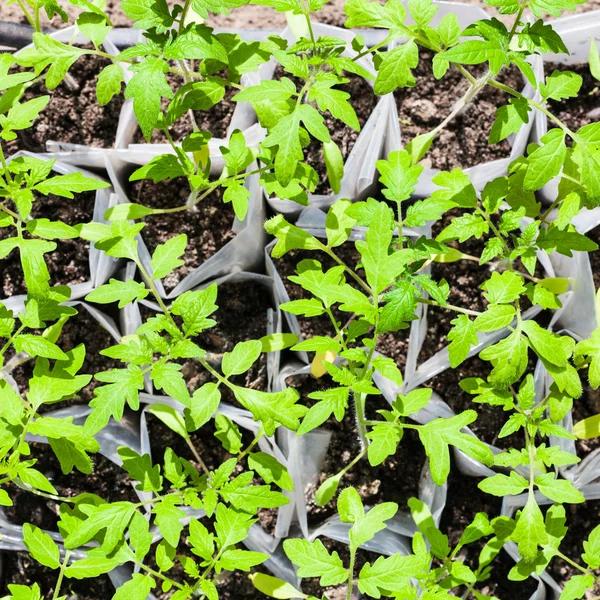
183 66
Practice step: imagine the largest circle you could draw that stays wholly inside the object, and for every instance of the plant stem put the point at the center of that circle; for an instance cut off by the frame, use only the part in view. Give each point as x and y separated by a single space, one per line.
351 573
197 455
61 575
348 270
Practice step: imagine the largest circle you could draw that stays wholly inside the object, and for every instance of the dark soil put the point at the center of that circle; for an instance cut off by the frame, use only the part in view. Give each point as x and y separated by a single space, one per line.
69 108
580 111
464 501
19 568
210 450
581 520
338 592
215 120
394 480
207 226
69 263
107 480
286 266
362 99
463 143
79 329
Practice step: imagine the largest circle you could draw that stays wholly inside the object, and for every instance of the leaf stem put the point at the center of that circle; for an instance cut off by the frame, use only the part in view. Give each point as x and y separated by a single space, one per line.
197 455
465 311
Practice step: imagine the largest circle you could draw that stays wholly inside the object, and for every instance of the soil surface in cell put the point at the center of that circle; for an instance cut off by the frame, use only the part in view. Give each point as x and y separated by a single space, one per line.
241 316
464 501
396 479
580 111
107 480
581 520
79 329
464 141
215 120
207 225
362 99
18 568
73 114
209 449
69 262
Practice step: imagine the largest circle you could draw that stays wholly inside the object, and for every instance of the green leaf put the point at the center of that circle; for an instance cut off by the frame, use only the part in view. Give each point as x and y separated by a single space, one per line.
561 85
109 83
547 345
67 185
241 358
147 87
124 385
391 573
166 257
170 417
384 438
438 434
334 101
49 52
228 433
168 519
137 588
334 163
546 161
380 267
530 531
576 587
591 546
399 176
113 518
462 336
503 288
250 498
270 469
558 490
204 404
290 237
122 292
502 485
314 560
497 316
509 358
395 68
21 115
509 119
594 60
271 408
241 560
37 345
474 52
87 568
275 587
168 377
41 546
141 469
